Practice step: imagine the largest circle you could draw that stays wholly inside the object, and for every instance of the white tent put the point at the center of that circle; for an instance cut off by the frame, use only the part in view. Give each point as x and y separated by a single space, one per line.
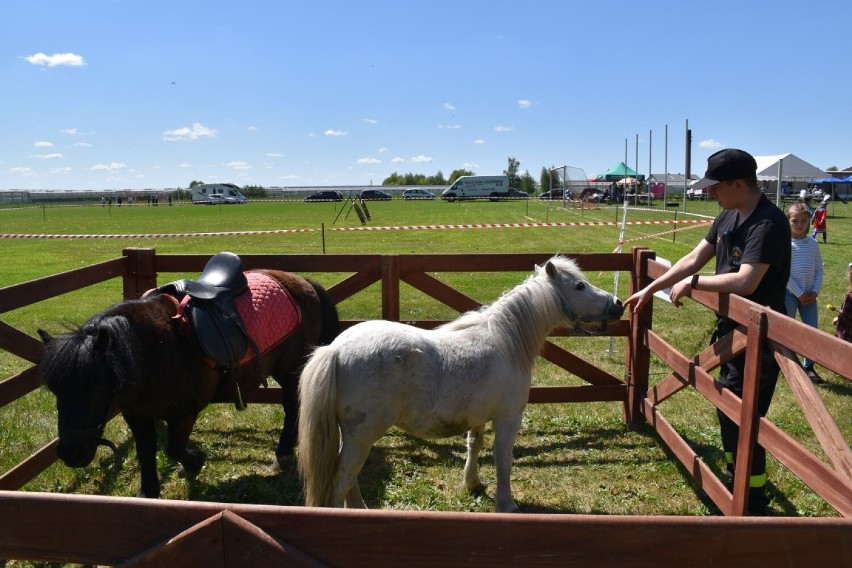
787 167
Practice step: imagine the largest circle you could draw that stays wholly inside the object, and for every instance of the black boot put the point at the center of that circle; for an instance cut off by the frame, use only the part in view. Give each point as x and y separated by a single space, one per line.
758 502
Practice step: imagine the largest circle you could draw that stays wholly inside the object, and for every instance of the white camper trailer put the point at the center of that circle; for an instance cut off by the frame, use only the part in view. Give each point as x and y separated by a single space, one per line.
212 193
482 187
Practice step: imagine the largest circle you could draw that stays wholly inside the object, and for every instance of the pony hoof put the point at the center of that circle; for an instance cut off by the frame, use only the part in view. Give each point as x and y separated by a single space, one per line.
282 463
184 473
510 507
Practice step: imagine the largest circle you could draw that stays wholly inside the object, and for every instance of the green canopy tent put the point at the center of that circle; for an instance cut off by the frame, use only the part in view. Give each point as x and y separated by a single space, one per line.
620 171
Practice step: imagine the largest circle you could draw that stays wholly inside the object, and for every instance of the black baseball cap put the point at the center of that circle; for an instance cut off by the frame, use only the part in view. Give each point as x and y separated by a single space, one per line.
727 165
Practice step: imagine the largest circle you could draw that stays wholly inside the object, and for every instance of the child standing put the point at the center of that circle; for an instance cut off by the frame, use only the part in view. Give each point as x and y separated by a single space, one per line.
819 220
843 322
805 275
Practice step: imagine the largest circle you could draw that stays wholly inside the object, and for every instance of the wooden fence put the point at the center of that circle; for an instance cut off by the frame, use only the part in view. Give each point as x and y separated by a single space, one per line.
111 530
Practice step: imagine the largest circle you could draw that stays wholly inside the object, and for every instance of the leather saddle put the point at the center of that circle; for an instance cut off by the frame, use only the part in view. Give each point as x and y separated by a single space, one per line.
207 306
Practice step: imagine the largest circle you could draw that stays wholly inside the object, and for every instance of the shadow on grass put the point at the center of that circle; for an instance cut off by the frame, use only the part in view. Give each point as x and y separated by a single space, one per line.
238 468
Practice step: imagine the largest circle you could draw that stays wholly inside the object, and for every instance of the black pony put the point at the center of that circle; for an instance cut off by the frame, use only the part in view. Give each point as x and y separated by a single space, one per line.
138 358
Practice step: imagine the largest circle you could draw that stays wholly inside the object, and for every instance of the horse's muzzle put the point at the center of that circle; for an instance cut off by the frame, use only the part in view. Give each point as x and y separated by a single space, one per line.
77 453
616 310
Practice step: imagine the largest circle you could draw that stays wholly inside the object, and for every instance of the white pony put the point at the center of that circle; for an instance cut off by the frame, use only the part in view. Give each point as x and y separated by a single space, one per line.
436 383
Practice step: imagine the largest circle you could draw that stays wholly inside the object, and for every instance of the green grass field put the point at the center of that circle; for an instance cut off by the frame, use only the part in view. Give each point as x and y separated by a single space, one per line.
568 459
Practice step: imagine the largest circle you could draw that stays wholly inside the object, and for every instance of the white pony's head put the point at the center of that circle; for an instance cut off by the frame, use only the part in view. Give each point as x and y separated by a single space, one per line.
585 307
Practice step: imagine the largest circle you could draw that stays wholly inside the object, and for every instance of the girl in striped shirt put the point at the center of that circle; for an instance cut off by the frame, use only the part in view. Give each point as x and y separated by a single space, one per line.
805 275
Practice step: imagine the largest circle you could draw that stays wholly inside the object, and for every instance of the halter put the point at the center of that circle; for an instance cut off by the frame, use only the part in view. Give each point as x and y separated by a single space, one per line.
603 316
94 431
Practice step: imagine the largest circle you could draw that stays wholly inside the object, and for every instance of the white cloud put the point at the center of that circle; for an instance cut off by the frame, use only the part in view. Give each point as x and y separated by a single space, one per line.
56 60
421 159
70 131
82 145
383 150
238 165
524 103
111 167
398 160
503 128
60 171
252 128
371 121
449 106
709 144
470 166
184 165
22 171
450 126
197 131
330 132
479 141
52 156
369 161
274 155
43 144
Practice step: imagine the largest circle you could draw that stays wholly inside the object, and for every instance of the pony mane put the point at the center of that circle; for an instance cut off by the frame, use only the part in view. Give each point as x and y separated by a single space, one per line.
75 357
522 314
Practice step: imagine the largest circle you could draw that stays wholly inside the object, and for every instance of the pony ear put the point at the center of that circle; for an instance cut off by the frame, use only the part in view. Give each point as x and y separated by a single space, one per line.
45 337
551 269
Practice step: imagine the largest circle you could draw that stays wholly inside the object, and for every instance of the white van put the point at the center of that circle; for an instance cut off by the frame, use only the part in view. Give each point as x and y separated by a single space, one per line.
208 193
481 187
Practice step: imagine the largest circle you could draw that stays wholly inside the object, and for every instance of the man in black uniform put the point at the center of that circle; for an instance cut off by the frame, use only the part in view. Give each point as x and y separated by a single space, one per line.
751 242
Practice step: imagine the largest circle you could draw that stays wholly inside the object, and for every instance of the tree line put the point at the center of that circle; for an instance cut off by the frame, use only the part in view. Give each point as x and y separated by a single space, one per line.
522 182
548 179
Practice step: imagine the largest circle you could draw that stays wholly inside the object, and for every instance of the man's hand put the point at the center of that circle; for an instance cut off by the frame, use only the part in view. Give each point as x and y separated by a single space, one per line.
679 290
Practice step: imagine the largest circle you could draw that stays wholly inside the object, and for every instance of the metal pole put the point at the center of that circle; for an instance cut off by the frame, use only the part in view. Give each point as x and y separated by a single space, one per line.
623 185
650 139
666 167
686 166
636 162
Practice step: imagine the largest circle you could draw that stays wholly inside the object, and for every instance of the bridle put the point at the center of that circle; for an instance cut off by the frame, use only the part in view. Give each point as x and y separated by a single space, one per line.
93 432
602 317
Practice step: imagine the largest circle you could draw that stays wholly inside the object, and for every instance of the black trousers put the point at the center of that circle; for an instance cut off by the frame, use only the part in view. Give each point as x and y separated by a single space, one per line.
731 377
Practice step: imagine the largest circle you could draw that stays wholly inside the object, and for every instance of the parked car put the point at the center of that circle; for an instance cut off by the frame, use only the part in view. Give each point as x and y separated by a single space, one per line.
516 194
374 195
417 194
552 194
218 198
325 196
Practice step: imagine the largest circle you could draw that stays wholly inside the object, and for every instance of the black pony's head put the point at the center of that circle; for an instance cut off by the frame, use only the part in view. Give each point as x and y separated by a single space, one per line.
86 369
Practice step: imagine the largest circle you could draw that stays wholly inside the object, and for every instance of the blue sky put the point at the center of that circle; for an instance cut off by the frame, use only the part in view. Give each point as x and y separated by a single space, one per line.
120 94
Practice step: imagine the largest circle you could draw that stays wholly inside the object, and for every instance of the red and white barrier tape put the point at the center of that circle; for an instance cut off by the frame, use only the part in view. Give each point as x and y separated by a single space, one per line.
392 228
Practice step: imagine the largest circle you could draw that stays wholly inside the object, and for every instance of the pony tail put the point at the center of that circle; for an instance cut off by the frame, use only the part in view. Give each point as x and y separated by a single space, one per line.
319 435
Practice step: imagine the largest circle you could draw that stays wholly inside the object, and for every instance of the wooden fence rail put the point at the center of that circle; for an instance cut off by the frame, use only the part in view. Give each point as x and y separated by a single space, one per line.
786 337
112 530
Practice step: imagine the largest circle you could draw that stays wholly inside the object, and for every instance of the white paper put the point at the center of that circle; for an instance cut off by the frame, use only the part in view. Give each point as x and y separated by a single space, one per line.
664 294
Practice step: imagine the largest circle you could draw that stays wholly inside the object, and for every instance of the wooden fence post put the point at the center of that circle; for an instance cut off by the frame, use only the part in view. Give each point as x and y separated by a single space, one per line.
749 416
390 287
139 274
637 357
